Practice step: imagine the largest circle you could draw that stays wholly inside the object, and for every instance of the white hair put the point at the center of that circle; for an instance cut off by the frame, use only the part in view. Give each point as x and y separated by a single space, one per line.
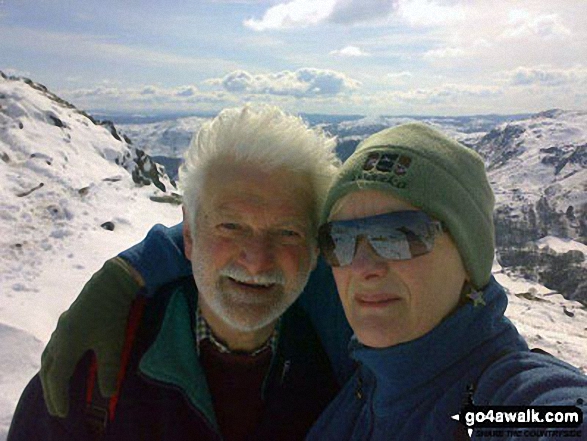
262 136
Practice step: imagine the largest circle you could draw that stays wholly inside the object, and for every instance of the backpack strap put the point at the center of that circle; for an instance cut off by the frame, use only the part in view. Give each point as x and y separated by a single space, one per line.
100 410
541 351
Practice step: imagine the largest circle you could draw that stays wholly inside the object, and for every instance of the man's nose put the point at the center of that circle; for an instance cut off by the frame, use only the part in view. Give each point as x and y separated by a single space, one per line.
257 254
366 262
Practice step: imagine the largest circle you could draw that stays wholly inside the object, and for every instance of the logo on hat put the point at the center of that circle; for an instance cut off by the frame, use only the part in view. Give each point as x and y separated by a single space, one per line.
387 163
386 167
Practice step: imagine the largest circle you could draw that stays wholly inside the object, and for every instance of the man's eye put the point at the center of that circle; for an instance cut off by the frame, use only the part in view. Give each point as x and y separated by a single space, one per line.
289 233
229 226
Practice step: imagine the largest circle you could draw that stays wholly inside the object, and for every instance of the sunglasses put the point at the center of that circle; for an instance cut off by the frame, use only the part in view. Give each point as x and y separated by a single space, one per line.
401 235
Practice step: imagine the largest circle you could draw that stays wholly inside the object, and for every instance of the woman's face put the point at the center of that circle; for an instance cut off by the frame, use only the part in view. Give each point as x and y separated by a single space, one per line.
389 302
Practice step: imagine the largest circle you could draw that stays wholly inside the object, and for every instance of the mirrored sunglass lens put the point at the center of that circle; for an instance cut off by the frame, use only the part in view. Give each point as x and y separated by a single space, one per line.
408 247
344 248
393 248
394 236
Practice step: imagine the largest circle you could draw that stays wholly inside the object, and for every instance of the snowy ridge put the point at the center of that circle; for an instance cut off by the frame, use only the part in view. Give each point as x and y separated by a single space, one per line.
63 176
164 138
542 156
538 170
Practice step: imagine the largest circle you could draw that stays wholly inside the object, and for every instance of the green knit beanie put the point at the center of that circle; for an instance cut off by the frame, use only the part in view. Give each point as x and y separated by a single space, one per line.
434 173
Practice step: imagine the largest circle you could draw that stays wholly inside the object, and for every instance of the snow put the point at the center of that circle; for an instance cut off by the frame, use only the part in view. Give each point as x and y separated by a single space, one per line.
561 246
547 320
51 241
525 176
164 138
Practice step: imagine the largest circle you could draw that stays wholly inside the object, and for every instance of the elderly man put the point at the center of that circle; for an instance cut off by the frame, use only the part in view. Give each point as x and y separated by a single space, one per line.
216 356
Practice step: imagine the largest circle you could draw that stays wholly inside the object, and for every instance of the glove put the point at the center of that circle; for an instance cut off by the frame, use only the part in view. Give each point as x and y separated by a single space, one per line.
95 321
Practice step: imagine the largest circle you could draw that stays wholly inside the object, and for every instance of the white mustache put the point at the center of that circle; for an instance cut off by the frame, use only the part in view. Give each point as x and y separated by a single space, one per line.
241 275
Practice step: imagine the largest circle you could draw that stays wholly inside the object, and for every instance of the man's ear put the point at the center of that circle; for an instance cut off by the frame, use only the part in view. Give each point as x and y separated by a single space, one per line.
187 236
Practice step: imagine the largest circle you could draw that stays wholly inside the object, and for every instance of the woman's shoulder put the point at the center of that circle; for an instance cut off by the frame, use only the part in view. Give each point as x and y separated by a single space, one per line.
531 378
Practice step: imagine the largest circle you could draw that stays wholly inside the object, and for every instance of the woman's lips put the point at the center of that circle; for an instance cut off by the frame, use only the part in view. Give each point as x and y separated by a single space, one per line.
376 300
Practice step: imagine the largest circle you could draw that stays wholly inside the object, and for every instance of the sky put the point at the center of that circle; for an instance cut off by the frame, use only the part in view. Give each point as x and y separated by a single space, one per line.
369 57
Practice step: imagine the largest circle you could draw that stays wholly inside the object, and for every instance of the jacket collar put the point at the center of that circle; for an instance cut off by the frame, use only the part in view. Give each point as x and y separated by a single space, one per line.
401 369
172 358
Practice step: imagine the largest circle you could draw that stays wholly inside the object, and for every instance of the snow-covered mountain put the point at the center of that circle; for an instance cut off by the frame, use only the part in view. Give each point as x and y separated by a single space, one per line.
538 169
164 138
75 191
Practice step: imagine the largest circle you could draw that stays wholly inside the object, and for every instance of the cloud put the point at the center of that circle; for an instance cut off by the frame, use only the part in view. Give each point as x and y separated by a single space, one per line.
305 82
522 24
447 93
350 51
186 91
296 13
546 76
145 97
360 11
16 72
399 77
304 13
447 52
430 12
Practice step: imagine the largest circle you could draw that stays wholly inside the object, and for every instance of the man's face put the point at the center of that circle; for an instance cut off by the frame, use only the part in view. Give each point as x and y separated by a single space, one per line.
254 245
389 302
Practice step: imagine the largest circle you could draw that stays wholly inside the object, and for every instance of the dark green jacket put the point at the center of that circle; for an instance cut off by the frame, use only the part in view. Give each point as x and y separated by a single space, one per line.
165 396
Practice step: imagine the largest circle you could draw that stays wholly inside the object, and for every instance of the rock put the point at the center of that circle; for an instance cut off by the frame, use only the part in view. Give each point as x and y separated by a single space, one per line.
173 199
108 226
26 193
83 191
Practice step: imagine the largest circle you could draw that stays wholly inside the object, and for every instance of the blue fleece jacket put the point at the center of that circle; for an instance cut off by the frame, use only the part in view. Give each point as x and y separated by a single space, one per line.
411 390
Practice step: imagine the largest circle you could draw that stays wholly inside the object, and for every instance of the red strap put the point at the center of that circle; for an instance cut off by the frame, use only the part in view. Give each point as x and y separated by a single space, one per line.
134 320
91 380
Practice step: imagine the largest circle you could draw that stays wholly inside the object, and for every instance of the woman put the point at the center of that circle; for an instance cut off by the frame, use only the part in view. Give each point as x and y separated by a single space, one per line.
410 241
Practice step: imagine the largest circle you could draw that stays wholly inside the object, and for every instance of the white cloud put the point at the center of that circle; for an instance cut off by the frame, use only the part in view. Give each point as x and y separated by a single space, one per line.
522 24
447 52
296 13
146 97
186 91
547 76
446 93
303 13
399 77
350 51
305 82
16 72
430 12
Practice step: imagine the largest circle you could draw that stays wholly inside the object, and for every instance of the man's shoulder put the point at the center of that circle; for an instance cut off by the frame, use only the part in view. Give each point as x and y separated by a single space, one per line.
156 305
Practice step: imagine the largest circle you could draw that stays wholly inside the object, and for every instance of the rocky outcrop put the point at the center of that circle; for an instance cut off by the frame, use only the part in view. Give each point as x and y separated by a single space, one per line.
565 273
501 144
538 169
